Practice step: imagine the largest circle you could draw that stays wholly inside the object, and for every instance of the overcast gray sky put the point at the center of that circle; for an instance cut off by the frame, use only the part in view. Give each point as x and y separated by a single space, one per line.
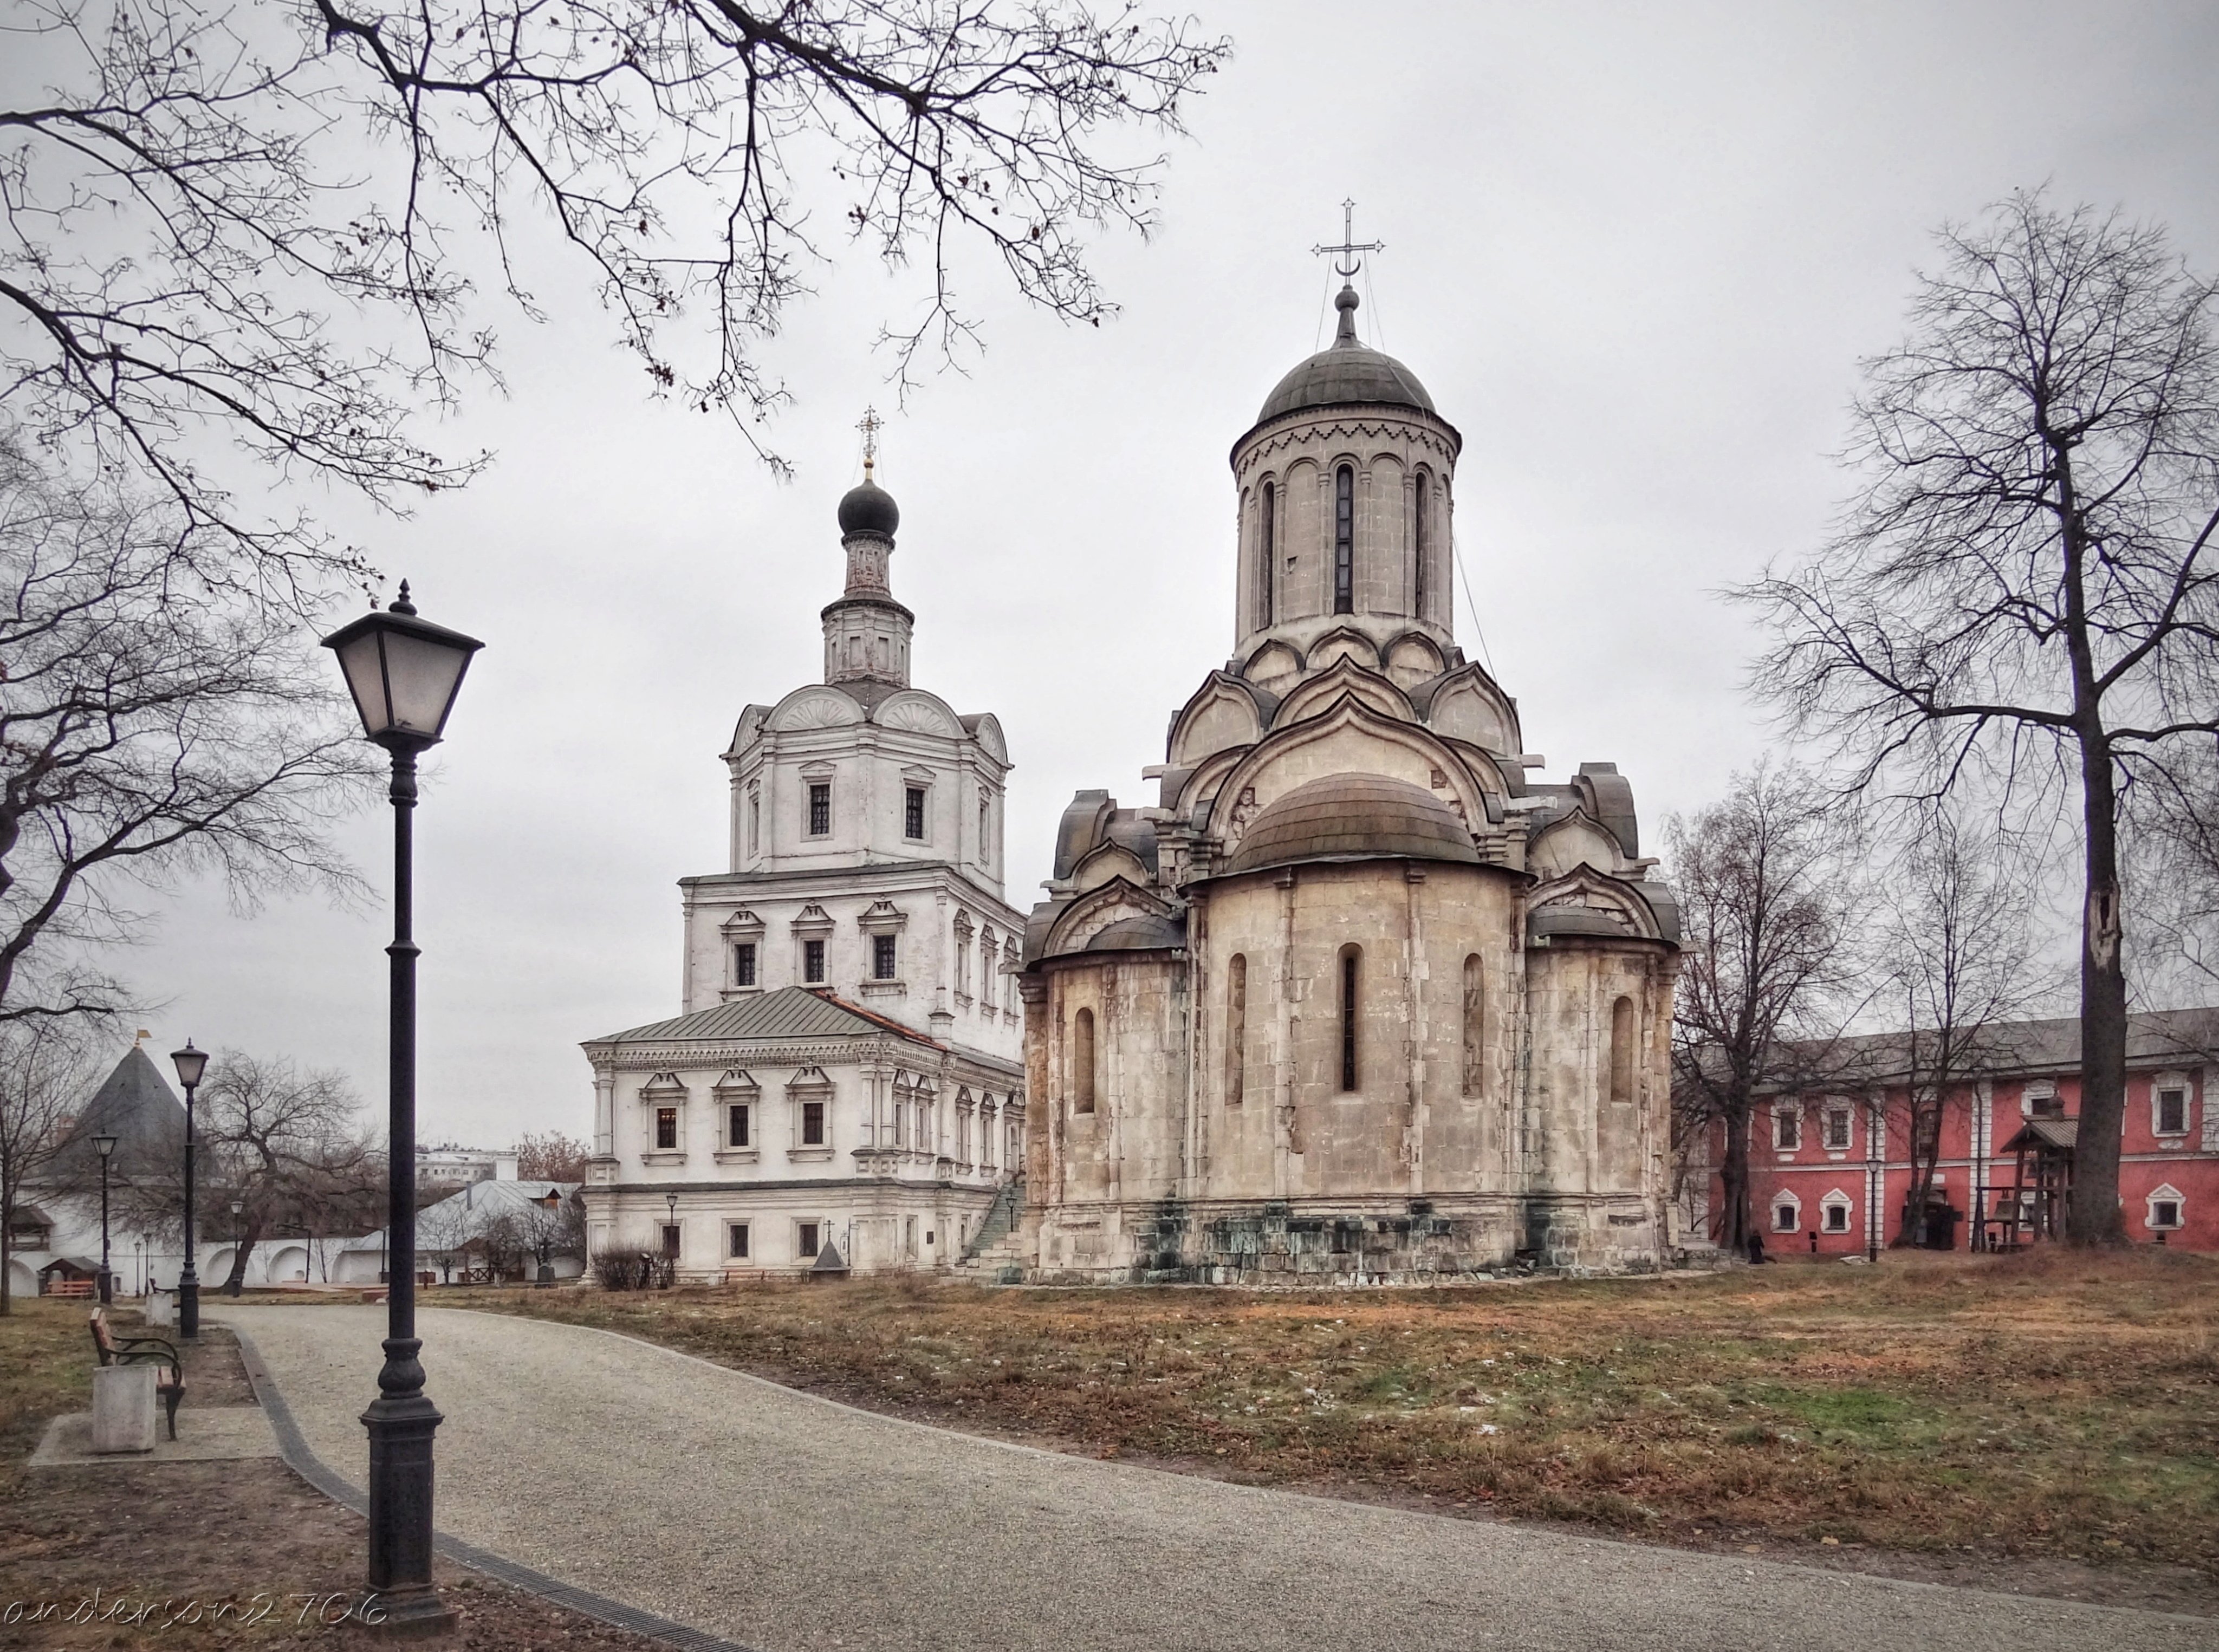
1634 251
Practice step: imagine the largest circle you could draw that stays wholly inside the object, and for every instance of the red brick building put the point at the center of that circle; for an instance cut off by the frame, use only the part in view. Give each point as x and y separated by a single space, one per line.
1831 1168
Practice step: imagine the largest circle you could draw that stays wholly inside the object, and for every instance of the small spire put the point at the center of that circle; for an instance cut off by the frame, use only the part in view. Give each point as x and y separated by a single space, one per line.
403 605
1344 336
870 424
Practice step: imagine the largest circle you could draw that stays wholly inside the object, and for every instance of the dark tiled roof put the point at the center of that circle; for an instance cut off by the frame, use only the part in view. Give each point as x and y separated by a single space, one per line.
2032 1048
136 1104
2053 1133
788 1012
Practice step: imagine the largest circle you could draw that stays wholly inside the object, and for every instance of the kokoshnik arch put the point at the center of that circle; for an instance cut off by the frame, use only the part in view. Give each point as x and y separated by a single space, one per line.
1355 998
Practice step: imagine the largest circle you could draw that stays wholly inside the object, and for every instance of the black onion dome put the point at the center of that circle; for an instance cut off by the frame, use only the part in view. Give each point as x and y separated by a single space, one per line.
868 508
1354 817
1348 372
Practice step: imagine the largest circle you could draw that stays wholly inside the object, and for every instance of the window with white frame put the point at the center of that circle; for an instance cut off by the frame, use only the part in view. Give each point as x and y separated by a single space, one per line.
1838 1122
1786 1125
2169 1104
736 1242
1786 1213
1834 1212
744 963
913 813
739 1120
812 961
818 823
805 1245
2166 1207
882 957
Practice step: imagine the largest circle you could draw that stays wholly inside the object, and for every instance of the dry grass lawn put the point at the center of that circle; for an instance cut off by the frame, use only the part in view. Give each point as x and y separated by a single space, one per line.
2057 1407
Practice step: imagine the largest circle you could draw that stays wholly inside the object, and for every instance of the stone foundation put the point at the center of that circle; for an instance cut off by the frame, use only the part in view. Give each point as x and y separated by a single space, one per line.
1317 1243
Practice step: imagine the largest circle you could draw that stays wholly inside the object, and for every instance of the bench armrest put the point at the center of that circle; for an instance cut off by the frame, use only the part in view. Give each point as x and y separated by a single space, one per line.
128 1348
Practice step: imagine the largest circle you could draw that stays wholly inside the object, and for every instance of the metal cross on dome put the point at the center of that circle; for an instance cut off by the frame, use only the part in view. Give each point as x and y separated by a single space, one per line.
1350 246
870 423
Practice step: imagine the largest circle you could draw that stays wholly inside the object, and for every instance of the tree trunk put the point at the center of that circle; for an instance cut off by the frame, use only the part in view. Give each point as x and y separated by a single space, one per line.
242 1246
1733 1182
2092 1217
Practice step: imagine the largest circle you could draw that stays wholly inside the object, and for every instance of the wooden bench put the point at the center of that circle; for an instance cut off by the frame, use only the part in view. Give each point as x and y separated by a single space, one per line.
169 1383
79 1287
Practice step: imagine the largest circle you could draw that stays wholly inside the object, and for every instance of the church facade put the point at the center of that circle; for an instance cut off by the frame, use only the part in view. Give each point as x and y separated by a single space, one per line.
841 1088
1358 996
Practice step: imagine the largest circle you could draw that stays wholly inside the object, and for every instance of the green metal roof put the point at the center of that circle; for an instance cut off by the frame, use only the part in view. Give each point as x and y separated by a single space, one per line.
789 1012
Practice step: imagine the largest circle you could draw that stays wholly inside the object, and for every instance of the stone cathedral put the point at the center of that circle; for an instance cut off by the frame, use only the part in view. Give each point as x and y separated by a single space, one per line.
1358 997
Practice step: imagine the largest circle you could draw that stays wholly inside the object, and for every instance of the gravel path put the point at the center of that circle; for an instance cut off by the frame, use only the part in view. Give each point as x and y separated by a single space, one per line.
786 1522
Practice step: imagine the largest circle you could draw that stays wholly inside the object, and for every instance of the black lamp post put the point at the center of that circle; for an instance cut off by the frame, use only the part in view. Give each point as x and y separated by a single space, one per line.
191 1064
403 672
238 1232
105 1146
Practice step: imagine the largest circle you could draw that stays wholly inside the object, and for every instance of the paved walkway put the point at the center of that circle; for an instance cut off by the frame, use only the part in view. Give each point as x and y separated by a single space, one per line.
784 1523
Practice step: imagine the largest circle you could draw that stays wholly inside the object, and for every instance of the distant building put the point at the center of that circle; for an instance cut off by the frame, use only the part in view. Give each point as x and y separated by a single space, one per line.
450 1166
1830 1167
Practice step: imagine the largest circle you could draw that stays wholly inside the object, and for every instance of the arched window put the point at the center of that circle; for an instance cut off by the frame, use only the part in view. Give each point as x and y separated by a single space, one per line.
1344 541
1267 552
1417 494
1236 1028
1352 959
1474 1028
1082 1062
1621 1050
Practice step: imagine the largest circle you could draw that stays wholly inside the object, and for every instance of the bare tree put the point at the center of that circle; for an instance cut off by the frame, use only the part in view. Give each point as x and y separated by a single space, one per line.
1765 903
2022 595
288 1143
245 238
1956 929
46 1073
153 722
551 1156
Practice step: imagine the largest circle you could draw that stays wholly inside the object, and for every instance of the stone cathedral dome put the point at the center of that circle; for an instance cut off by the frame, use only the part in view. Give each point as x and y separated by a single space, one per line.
1353 816
1346 372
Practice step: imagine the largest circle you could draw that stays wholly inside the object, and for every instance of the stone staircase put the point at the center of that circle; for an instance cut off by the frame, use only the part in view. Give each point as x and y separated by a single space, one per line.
994 1254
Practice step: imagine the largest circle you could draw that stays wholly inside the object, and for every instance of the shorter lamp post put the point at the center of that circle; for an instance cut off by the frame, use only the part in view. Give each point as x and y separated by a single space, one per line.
670 1238
105 1146
403 672
238 1264
191 1064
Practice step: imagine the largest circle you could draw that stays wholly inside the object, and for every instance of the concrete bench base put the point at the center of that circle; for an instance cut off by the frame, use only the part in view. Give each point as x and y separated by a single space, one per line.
123 1408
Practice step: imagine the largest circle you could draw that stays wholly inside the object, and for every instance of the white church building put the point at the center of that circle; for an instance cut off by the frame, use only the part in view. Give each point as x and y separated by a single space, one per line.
842 1087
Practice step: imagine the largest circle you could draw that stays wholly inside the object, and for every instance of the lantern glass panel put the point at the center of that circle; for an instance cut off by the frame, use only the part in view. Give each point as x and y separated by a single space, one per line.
421 676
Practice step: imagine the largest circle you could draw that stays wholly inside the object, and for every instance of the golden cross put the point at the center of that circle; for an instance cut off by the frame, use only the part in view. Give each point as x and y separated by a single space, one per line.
1350 246
870 424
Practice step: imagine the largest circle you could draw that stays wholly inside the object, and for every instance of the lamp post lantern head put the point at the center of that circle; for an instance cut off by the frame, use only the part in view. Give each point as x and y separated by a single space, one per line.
191 1064
671 1199
403 672
237 1205
104 1145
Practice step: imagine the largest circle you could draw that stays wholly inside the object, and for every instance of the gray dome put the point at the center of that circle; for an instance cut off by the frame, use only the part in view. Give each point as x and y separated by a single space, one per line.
868 508
1354 817
1348 372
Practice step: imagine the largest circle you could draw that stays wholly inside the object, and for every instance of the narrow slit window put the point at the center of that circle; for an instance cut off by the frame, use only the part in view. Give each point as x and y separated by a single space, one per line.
1267 539
820 808
1351 961
913 814
1236 1027
1082 1061
1344 541
1474 1024
743 964
1621 1053
1418 547
736 1123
